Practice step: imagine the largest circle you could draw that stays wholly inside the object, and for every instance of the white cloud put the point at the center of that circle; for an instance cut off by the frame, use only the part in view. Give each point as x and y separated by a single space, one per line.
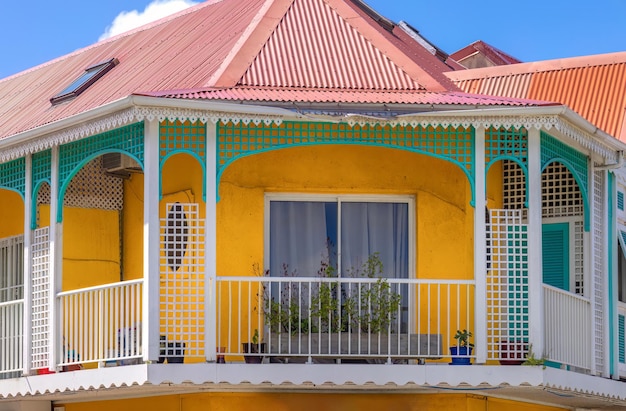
128 20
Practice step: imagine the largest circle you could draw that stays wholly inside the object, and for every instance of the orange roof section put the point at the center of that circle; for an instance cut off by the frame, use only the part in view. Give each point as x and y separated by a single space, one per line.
336 46
593 86
493 55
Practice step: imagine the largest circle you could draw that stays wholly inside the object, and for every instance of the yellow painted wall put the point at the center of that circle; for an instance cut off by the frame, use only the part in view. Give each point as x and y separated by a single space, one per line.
309 401
444 217
91 249
132 226
11 214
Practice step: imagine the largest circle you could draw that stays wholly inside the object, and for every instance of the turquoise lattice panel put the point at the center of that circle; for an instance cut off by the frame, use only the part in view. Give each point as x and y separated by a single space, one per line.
41 168
128 139
621 339
13 175
237 140
576 162
552 149
503 143
176 136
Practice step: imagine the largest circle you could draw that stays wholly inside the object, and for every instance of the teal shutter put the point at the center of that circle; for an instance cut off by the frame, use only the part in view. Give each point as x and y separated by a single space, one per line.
555 254
620 201
622 347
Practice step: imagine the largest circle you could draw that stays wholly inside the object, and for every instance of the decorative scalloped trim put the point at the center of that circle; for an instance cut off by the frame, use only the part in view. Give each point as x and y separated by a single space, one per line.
133 114
126 117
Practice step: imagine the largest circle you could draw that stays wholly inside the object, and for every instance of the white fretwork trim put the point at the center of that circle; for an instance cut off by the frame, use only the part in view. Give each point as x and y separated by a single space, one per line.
128 116
139 113
546 122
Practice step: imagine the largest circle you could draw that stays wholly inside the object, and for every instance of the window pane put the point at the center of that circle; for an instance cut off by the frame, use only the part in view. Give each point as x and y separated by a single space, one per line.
369 228
303 234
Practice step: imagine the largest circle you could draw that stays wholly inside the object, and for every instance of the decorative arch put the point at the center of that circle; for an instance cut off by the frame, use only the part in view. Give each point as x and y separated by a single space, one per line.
552 150
127 140
238 140
176 137
41 173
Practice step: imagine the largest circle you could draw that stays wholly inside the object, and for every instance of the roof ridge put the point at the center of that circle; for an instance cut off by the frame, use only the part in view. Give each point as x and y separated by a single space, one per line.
238 59
540 66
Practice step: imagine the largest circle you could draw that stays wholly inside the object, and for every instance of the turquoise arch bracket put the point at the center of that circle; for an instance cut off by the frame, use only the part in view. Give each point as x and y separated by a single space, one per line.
176 137
13 176
41 173
128 140
552 150
456 145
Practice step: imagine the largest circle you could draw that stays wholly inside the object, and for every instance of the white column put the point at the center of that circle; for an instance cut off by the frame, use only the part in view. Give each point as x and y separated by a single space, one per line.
210 243
56 264
150 300
589 262
535 267
480 242
28 301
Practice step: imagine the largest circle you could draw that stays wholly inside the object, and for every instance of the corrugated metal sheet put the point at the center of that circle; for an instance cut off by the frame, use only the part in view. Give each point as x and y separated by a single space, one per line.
593 86
182 51
299 95
332 54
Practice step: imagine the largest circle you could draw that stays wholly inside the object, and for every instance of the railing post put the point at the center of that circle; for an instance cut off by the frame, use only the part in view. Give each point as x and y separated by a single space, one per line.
480 248
535 265
150 300
210 243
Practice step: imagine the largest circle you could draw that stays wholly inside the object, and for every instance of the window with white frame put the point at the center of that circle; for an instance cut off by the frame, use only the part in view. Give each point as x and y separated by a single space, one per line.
308 232
342 231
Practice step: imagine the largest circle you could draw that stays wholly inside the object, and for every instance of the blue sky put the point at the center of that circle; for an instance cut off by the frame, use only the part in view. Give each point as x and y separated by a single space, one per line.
37 31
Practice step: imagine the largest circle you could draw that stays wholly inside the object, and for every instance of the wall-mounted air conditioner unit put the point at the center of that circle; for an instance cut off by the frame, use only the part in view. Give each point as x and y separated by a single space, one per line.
116 163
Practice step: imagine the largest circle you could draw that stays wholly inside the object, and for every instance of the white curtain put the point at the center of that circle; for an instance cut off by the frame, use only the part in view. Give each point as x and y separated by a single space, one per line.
304 233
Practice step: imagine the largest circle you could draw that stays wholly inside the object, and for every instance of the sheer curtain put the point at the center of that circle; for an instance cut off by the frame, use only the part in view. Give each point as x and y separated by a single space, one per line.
304 233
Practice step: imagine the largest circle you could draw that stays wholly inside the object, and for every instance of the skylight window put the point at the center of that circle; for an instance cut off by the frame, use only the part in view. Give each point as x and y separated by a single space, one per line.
85 80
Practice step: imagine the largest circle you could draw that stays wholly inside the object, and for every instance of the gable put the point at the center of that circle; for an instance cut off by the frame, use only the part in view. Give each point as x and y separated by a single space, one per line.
314 46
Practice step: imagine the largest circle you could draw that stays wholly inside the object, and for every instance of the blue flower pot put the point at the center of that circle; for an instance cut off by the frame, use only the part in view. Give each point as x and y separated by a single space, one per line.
460 355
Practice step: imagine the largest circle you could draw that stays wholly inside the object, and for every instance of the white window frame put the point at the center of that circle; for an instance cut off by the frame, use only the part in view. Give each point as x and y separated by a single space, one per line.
339 198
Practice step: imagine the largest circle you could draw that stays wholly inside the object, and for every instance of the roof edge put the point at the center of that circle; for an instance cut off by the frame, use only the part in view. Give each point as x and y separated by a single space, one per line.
539 66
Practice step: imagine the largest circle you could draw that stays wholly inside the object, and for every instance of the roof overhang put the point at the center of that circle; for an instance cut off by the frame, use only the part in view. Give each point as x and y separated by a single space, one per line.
134 108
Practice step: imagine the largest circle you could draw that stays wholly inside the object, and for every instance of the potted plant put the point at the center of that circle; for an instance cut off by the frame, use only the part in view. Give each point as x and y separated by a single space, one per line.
462 350
253 348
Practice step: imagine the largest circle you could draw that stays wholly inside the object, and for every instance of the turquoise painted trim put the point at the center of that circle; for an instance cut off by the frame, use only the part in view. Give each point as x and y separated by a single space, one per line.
334 139
518 162
612 246
575 161
553 262
583 190
13 176
76 169
33 208
200 160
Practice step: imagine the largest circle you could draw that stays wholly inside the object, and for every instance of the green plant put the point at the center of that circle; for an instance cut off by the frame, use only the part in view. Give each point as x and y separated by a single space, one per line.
374 306
462 337
255 336
532 360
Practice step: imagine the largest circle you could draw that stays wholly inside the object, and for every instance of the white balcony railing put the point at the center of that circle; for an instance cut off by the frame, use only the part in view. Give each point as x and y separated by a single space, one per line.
567 336
101 323
11 341
322 319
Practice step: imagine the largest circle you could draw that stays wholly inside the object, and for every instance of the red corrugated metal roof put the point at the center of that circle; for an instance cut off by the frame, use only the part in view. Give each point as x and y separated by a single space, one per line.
593 86
333 54
302 95
496 56
331 45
